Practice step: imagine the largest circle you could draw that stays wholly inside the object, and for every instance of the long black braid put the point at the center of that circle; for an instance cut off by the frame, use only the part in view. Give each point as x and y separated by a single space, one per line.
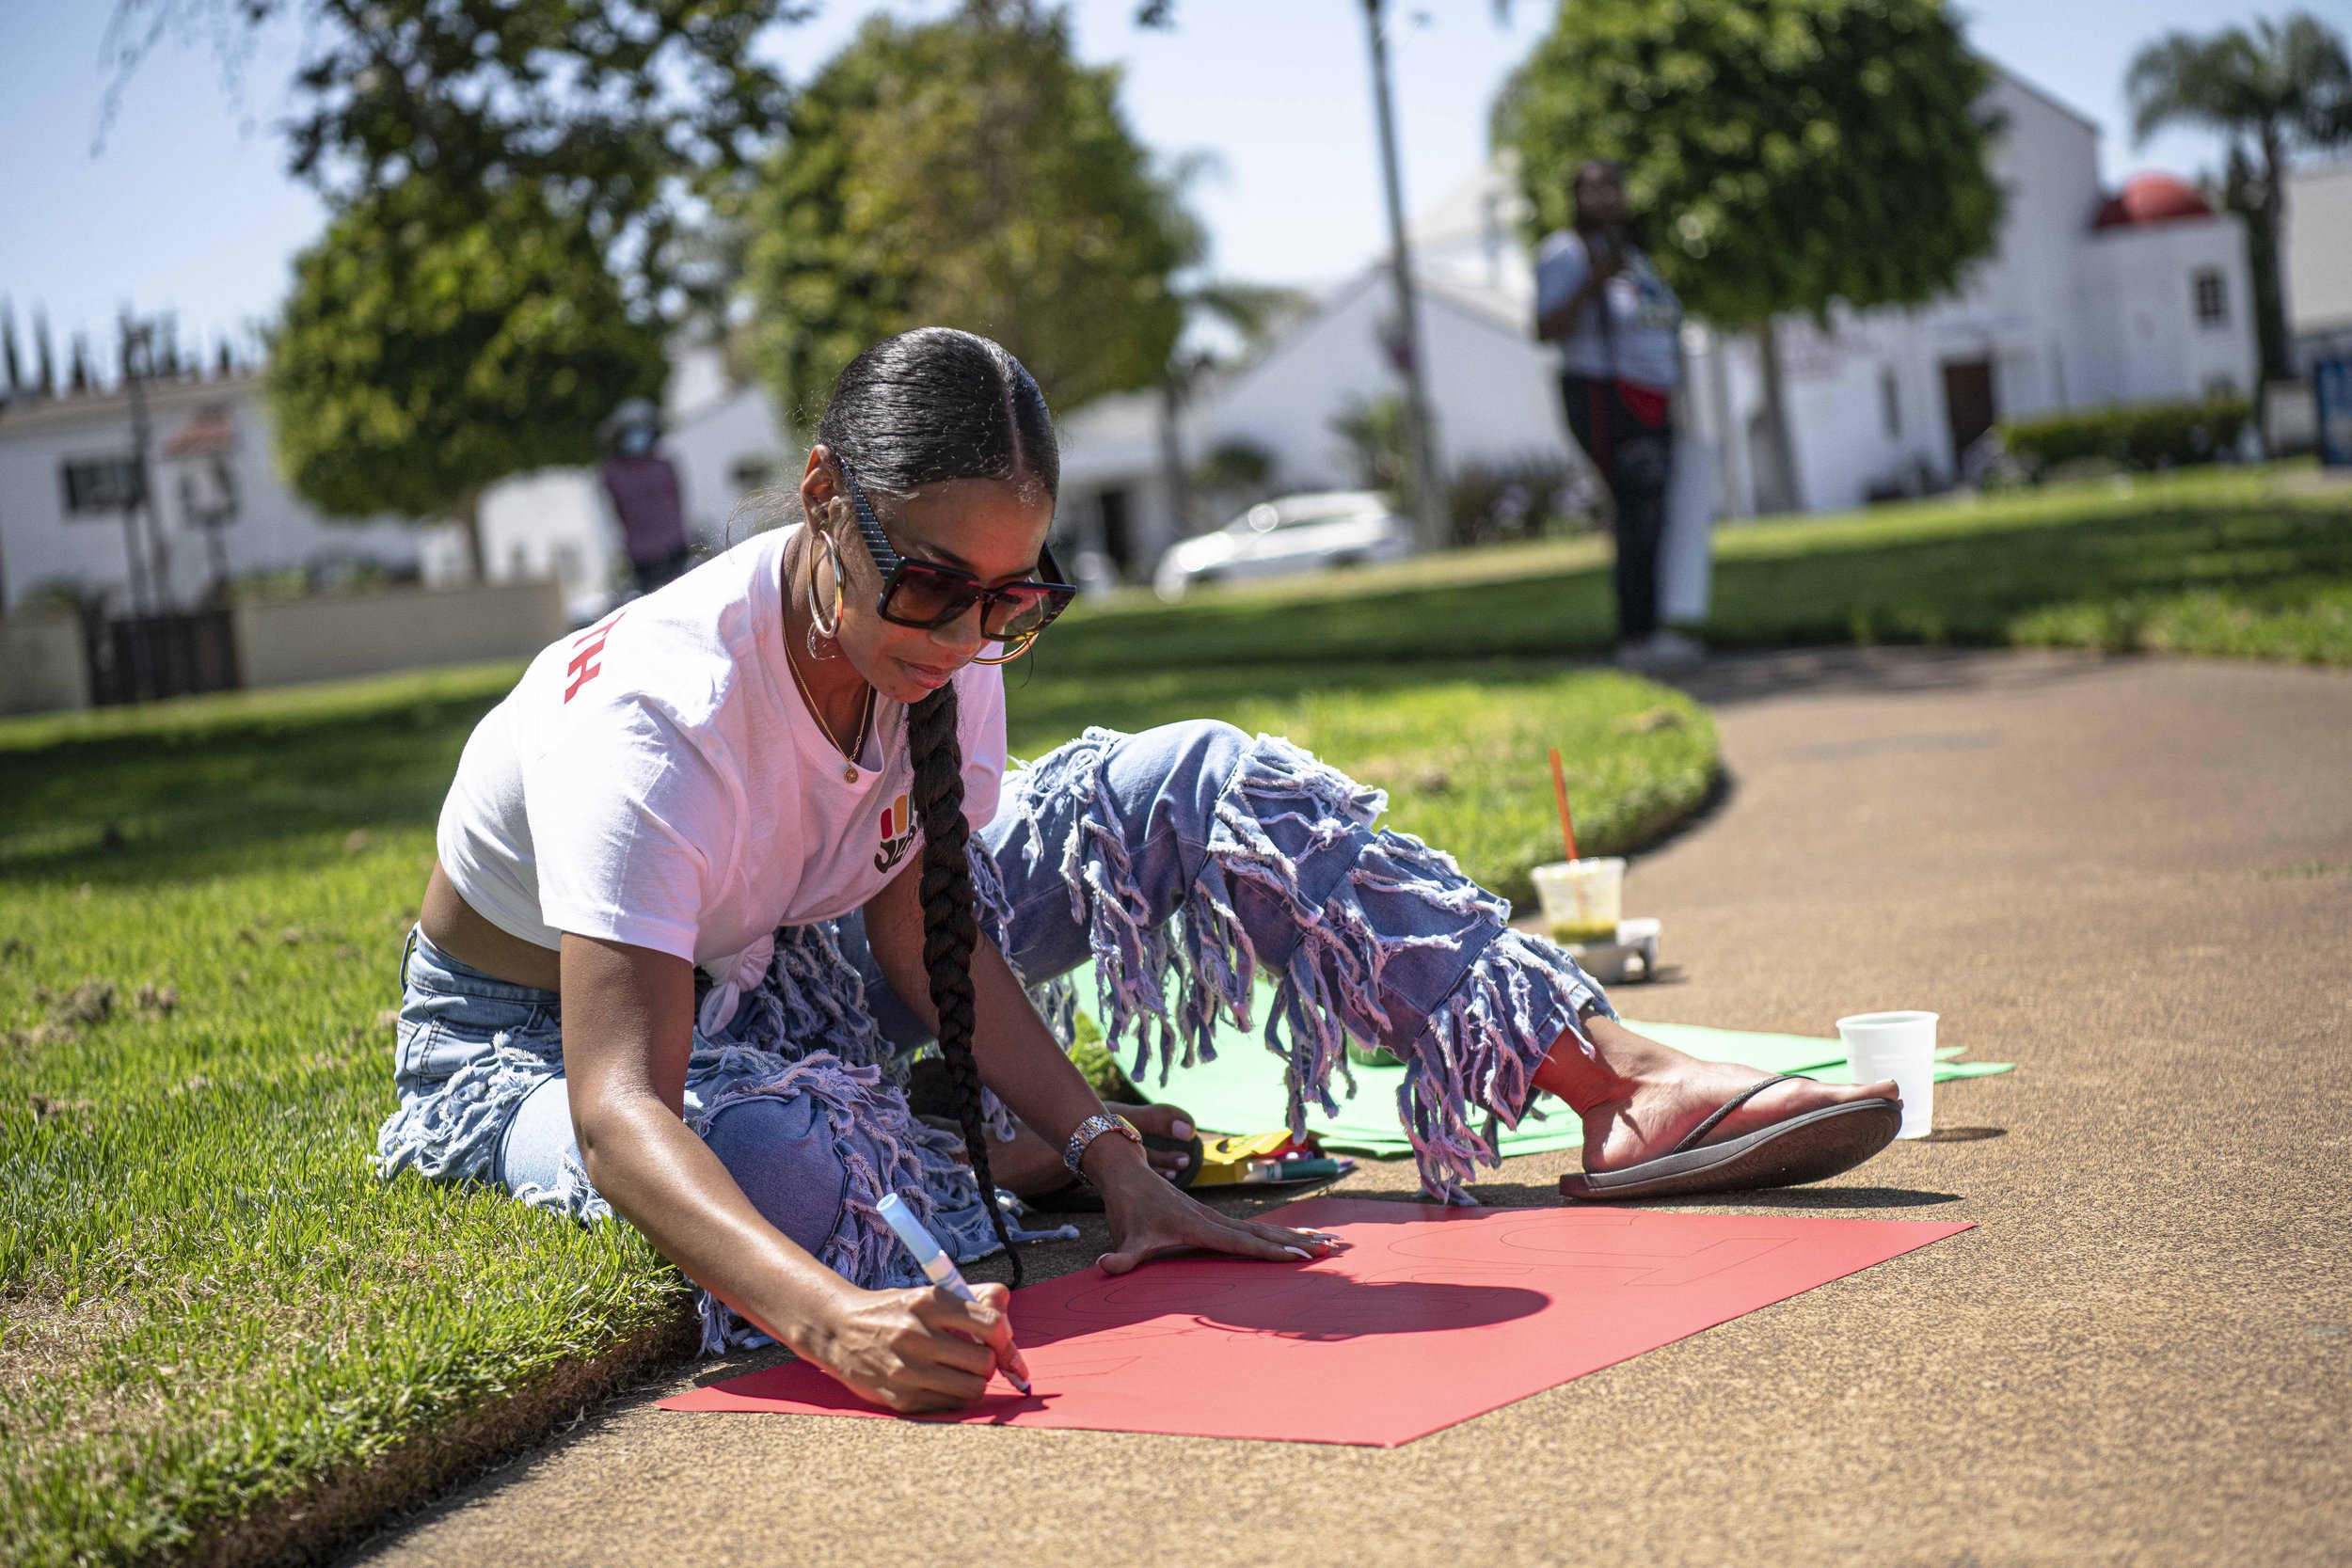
916 409
949 929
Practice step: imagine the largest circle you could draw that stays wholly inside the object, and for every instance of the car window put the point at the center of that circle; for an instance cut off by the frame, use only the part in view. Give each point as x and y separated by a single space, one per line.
1311 518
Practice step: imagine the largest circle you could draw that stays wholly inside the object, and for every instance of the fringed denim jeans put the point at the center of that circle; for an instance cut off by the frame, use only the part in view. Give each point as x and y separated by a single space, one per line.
1186 862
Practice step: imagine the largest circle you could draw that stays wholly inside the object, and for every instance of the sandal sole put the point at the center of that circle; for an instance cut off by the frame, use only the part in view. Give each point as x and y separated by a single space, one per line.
1808 1147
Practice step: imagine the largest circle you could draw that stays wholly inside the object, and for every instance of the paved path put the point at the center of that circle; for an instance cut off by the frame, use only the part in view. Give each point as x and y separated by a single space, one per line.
2134 878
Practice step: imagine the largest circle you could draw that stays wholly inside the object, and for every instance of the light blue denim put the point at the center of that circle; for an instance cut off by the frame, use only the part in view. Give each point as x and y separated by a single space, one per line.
1186 862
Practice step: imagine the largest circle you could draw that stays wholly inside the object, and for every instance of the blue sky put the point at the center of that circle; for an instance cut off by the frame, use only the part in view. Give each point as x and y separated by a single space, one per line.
186 207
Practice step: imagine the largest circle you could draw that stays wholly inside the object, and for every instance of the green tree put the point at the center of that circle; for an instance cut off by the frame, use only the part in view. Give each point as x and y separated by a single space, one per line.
423 354
1788 155
2276 88
963 172
514 188
630 112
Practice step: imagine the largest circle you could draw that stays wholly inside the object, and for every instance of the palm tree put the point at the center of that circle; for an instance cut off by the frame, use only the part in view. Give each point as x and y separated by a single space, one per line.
2280 88
1253 313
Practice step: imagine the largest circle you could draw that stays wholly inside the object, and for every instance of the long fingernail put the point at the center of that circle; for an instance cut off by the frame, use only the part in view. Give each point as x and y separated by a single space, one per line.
1180 1128
1299 1253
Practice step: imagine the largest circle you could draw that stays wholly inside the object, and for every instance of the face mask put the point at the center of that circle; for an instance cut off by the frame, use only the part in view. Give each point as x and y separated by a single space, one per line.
637 441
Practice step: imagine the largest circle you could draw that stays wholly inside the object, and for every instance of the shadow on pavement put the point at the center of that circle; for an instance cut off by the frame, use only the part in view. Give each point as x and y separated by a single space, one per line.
1525 1195
1736 677
1816 1197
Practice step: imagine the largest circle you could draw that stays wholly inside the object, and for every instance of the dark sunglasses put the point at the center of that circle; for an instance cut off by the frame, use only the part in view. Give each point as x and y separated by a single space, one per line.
918 594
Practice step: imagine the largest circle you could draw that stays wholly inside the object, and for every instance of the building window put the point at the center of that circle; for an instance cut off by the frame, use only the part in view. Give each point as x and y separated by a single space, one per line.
1890 402
2213 300
96 485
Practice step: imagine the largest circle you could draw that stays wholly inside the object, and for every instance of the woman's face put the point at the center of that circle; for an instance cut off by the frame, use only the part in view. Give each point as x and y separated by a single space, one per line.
992 529
1600 198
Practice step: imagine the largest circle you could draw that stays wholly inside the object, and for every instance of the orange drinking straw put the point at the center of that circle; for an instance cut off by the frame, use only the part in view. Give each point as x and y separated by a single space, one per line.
1560 787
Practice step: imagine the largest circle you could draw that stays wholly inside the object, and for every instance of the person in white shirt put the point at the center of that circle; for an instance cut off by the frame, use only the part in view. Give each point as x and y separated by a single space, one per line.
1615 323
723 863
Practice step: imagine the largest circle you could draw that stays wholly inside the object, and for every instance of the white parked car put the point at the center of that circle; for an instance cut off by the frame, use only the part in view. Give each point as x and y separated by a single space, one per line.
1294 533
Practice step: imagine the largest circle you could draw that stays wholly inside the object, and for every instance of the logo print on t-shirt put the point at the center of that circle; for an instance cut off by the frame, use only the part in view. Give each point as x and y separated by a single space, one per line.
897 834
588 653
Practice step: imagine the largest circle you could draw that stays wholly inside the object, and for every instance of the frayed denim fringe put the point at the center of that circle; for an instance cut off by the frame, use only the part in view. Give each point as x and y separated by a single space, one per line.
1166 984
804 1029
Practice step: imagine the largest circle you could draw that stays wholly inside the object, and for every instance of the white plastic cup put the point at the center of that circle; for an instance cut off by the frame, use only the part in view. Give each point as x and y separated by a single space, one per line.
1584 900
1900 1046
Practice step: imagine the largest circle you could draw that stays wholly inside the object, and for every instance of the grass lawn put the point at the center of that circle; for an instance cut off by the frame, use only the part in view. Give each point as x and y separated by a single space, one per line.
2244 563
213 1319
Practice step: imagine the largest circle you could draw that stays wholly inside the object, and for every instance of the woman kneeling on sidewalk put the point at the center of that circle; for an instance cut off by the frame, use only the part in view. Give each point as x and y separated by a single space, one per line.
719 865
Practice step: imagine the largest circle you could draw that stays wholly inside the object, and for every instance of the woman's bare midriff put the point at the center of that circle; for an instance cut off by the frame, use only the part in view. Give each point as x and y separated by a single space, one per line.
454 925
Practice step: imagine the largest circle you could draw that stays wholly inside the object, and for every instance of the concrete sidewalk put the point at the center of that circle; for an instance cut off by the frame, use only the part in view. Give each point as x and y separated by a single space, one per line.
2132 878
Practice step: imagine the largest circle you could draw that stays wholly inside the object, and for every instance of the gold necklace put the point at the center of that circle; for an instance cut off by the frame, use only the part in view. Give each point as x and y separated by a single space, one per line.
865 713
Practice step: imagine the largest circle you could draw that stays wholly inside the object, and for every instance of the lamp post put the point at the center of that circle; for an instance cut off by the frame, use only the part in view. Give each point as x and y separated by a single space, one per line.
1428 482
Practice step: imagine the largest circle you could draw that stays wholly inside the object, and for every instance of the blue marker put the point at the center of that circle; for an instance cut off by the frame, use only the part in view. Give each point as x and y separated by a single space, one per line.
941 1270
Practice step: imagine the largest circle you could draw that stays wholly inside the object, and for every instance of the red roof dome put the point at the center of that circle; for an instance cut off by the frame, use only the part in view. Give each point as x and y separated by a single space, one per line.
2150 198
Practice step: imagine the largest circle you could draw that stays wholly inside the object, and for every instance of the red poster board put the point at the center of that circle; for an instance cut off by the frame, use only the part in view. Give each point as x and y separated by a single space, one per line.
1432 1316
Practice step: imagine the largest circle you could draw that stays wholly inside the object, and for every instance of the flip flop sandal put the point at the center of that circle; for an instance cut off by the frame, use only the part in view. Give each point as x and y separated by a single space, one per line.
1809 1147
1081 1197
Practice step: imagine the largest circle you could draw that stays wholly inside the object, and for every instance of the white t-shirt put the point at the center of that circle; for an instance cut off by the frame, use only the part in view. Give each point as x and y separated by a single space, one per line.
658 780
1636 342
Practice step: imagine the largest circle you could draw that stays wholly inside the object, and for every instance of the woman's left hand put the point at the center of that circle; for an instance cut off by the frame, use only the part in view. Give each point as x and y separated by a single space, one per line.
1149 1217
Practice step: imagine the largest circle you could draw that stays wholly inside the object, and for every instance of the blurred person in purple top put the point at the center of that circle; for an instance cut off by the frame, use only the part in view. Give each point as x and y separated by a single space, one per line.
645 490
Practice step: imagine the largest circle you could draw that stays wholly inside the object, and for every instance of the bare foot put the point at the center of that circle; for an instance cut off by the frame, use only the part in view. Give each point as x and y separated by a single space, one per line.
1640 1097
1030 1165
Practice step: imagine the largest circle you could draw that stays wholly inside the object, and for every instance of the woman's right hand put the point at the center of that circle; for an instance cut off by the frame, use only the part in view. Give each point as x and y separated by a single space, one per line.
915 1350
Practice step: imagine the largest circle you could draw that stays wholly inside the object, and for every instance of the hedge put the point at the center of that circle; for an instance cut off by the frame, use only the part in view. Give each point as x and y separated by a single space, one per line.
2142 436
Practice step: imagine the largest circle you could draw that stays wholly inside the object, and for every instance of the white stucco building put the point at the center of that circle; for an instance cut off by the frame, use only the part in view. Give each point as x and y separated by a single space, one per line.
1491 385
2318 246
2091 297
63 462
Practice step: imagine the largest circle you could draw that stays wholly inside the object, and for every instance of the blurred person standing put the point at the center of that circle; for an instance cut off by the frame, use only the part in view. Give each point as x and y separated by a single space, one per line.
644 486
1615 321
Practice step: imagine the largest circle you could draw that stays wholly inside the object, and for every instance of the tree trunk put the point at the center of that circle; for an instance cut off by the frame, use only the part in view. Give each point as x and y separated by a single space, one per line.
1172 452
469 515
1434 527
2265 264
1778 491
158 558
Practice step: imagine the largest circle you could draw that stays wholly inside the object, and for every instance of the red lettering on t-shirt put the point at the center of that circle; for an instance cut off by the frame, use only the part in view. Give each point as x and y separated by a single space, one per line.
587 653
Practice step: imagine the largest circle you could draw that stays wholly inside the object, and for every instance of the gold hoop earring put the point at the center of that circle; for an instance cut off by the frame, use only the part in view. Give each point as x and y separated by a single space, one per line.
818 629
1012 651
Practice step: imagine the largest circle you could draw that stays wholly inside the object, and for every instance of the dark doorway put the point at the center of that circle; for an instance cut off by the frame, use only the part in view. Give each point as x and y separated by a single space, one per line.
1118 536
1967 403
